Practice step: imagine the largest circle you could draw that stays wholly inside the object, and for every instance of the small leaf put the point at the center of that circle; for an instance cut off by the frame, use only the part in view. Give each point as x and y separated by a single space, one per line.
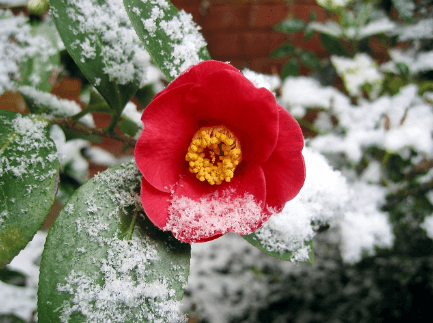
103 44
28 180
291 68
291 25
287 256
170 36
333 45
310 60
283 51
103 262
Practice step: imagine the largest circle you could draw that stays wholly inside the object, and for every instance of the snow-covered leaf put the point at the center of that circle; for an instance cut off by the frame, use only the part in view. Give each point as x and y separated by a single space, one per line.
310 60
254 239
37 69
404 7
170 36
291 25
28 173
102 42
104 262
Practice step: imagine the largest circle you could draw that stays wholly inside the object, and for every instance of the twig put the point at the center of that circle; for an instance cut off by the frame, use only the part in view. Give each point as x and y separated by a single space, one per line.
72 124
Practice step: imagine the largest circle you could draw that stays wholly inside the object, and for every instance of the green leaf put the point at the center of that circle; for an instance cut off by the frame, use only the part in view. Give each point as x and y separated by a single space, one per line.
309 33
291 68
102 42
310 60
291 25
37 69
28 180
287 256
405 8
104 262
283 51
333 45
170 36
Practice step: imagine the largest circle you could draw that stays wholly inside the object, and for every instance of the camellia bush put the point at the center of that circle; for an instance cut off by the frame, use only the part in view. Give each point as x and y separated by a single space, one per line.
217 152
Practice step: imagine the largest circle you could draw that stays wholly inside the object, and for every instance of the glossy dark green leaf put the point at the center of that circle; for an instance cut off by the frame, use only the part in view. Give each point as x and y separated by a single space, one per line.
310 60
333 45
28 180
283 51
101 40
37 69
170 36
104 262
291 25
291 68
309 33
287 256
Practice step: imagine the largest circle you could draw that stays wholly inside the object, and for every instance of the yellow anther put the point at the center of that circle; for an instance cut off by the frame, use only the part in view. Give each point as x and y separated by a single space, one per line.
206 145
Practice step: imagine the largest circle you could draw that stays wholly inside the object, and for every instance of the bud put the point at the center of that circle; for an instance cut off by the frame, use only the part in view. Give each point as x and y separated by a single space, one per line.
38 7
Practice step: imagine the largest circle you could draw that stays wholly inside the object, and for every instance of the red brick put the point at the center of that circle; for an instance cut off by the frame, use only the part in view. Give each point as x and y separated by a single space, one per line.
227 44
303 11
225 17
267 16
258 44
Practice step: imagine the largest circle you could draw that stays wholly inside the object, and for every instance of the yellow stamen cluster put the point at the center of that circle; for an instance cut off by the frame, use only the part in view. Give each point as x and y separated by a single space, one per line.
213 154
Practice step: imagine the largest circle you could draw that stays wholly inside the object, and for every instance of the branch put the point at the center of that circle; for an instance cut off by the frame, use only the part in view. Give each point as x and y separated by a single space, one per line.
72 124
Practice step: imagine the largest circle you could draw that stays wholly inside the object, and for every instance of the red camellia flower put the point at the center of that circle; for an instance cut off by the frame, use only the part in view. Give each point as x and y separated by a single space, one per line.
217 154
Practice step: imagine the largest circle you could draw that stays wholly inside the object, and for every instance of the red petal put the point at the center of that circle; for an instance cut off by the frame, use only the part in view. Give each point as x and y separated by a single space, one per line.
155 203
162 146
248 179
197 74
228 98
285 169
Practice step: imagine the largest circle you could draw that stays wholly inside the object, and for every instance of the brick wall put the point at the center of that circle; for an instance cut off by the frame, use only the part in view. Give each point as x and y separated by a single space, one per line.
241 31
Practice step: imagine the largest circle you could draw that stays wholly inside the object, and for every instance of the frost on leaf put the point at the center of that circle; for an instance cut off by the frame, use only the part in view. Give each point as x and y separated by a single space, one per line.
17 44
107 30
113 279
48 103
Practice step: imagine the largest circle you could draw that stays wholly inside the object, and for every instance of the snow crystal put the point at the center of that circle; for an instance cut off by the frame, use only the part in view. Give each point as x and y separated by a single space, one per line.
120 44
52 105
17 44
427 225
121 297
423 29
28 136
356 72
186 40
364 227
329 27
130 112
415 61
322 200
215 213
301 92
269 82
18 300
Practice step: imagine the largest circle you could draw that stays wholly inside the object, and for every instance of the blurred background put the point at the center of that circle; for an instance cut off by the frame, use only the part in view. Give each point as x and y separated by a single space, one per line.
358 76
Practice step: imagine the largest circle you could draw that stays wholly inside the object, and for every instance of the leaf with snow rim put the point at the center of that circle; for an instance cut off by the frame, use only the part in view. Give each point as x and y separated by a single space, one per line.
167 34
88 248
287 256
28 180
92 51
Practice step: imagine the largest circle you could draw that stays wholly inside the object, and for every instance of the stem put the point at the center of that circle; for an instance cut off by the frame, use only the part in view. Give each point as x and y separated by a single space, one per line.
72 124
80 114
131 226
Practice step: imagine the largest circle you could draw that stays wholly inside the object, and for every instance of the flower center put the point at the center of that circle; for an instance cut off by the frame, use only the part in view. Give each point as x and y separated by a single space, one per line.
213 154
